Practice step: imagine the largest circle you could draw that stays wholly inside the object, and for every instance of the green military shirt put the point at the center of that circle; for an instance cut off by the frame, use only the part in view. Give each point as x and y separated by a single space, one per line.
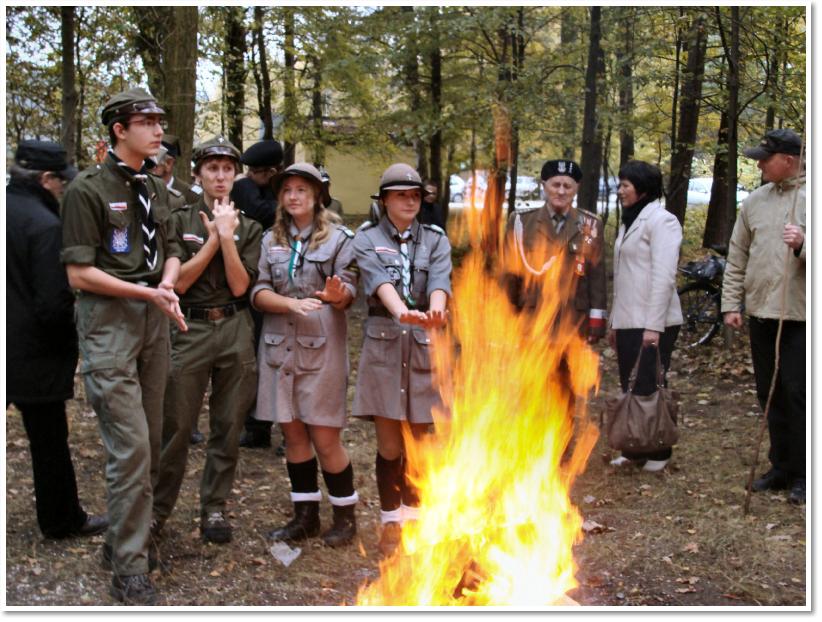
191 194
211 289
102 227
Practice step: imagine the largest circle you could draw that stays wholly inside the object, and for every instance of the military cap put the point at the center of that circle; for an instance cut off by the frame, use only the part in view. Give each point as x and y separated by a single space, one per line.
133 101
217 146
569 168
44 155
172 145
300 169
263 153
398 176
776 141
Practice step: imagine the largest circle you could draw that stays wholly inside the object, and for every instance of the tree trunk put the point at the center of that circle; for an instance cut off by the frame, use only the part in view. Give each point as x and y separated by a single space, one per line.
733 125
591 131
317 113
69 125
682 157
625 62
180 70
235 73
264 87
435 173
518 57
289 88
568 29
677 73
411 74
716 221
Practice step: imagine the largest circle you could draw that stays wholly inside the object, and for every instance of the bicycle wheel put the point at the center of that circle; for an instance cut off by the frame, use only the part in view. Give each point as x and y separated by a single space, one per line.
700 313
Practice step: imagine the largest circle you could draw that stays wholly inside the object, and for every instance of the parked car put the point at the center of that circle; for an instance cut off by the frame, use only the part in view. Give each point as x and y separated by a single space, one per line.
699 191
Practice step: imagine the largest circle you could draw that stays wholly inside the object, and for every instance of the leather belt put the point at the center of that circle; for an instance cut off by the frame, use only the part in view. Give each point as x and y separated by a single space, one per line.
213 313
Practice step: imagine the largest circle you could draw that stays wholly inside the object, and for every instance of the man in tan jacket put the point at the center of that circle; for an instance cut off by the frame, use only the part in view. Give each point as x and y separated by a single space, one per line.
770 224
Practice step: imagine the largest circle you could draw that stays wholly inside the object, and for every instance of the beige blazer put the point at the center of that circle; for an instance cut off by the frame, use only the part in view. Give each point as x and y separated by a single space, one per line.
645 264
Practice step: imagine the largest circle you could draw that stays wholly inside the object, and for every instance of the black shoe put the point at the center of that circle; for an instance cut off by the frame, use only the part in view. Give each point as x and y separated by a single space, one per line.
344 529
305 524
772 480
133 590
105 558
196 437
797 494
94 525
253 439
215 528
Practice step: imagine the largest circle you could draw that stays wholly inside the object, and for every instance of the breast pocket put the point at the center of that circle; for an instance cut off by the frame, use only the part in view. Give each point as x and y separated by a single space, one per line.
119 234
382 344
310 352
421 269
275 349
420 350
278 265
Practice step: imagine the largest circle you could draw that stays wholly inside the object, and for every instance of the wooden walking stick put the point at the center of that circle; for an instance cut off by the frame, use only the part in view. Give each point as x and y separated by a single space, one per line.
784 292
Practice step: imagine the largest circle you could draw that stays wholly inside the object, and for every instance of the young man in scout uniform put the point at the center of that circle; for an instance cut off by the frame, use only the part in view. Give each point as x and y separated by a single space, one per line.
771 225
116 233
221 251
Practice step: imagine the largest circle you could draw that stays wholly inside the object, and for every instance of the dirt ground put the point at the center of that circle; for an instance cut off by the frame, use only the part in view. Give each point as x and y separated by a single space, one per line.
673 538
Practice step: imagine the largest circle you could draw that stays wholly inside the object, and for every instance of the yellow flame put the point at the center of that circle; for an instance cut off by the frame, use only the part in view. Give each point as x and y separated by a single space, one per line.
496 525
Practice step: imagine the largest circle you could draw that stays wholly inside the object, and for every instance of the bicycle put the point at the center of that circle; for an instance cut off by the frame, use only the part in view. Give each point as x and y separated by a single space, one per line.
701 299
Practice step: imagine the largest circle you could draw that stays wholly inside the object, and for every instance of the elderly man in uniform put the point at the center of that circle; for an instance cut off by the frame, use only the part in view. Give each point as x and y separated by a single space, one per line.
116 231
558 227
42 342
771 225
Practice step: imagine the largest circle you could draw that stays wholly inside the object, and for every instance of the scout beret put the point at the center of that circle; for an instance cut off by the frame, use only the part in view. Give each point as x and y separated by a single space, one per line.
133 101
398 176
44 155
263 153
172 145
776 141
217 146
300 169
569 168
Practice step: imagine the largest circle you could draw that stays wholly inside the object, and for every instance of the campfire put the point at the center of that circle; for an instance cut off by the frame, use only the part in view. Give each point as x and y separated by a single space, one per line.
496 525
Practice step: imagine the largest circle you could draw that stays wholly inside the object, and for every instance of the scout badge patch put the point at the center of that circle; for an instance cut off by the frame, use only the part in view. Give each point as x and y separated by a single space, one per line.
119 241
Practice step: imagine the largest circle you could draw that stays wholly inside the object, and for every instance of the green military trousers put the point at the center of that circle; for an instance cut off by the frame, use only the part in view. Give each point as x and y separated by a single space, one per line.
221 351
124 345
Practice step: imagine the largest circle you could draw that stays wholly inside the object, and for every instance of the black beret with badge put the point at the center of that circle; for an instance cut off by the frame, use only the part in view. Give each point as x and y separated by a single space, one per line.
776 141
263 154
132 101
44 155
552 168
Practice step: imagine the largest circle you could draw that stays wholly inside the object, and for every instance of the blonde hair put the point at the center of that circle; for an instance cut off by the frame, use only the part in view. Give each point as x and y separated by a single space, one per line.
324 220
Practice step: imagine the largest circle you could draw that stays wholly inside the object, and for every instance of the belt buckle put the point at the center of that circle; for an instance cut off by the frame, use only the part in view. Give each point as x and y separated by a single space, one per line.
216 313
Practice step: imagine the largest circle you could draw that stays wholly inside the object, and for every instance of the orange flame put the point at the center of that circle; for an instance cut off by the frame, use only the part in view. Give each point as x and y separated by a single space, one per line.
496 525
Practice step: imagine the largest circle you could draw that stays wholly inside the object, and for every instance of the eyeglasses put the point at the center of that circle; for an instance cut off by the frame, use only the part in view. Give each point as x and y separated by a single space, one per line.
149 122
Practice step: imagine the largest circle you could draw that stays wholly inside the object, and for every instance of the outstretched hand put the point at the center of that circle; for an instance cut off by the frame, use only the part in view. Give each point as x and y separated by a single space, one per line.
333 292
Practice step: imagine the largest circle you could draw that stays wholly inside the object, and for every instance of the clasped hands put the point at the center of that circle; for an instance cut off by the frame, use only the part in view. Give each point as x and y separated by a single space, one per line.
226 219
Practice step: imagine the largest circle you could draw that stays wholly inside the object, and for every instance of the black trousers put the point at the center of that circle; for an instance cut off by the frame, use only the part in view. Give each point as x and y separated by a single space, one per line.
786 417
628 346
55 489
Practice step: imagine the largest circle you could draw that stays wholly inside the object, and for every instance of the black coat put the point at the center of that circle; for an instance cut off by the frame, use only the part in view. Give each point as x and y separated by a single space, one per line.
258 203
41 341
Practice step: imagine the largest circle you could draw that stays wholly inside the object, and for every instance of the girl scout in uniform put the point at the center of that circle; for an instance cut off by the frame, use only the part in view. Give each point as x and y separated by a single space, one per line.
306 283
221 249
406 272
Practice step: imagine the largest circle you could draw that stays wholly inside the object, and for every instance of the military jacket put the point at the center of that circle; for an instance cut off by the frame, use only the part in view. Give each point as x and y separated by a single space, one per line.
581 240
212 289
395 378
191 194
303 359
102 226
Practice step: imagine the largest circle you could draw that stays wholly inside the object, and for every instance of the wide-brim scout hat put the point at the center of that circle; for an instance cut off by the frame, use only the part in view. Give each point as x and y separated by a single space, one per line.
398 177
776 141
265 153
553 168
44 155
215 147
300 169
133 101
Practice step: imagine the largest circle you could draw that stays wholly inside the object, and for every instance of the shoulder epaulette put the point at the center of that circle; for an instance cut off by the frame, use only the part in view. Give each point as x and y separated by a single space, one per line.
435 228
174 192
527 210
196 189
366 225
348 233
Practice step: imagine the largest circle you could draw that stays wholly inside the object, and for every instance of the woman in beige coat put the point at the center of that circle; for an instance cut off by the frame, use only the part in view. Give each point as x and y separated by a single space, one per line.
306 283
645 314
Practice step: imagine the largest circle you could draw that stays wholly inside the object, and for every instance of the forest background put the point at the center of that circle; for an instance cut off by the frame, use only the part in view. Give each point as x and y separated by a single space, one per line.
682 87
